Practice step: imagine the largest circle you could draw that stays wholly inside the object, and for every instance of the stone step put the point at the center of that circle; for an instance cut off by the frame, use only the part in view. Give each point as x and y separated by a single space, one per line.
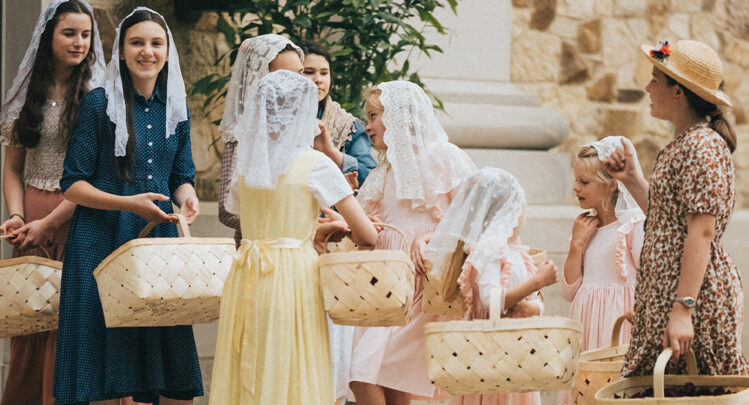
545 176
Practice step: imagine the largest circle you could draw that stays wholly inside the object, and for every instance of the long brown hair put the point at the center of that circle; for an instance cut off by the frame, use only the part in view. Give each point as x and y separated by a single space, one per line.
123 164
27 128
704 109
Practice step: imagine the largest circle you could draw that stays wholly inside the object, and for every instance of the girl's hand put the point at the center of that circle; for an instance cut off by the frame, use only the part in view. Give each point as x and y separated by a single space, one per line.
679 334
338 228
11 225
35 233
546 274
417 252
524 309
323 143
353 180
190 209
621 163
143 205
583 229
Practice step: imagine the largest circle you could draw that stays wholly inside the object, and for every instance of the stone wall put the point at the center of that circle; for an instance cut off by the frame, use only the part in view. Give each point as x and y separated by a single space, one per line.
199 45
582 58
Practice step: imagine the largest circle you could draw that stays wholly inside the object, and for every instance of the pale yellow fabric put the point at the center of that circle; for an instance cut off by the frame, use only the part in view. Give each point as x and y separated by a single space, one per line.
272 345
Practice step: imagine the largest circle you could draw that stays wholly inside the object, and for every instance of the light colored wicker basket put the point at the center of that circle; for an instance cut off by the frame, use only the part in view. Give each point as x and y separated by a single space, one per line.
368 287
29 295
164 281
539 353
599 367
658 381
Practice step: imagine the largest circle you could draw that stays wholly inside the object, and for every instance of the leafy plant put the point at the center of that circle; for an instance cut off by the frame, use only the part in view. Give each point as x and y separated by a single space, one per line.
370 41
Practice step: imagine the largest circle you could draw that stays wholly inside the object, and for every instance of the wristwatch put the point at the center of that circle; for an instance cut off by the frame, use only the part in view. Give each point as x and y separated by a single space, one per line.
686 301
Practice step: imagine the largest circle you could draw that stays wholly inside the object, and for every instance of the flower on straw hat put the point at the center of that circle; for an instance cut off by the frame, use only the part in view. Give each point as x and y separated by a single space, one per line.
693 65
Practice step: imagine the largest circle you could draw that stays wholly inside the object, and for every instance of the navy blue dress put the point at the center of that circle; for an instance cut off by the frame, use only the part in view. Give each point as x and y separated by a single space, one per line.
94 363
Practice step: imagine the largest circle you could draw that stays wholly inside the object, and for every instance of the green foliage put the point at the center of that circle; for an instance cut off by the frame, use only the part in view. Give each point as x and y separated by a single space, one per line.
364 37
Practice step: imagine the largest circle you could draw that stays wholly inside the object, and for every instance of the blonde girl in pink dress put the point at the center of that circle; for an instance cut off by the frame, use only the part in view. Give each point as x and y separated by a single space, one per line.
601 268
410 189
476 252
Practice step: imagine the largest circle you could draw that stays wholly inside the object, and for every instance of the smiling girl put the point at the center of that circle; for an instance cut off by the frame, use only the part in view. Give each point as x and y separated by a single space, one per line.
35 124
128 160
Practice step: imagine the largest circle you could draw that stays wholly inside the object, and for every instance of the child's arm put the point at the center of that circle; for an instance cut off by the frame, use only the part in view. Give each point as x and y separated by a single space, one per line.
545 276
582 230
636 239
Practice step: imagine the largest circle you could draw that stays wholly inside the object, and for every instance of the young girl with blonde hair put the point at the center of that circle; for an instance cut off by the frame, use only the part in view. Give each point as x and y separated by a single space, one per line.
476 254
413 184
601 268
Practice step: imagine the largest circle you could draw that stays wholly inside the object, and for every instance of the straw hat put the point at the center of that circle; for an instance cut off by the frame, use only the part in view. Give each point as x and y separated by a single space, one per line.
694 65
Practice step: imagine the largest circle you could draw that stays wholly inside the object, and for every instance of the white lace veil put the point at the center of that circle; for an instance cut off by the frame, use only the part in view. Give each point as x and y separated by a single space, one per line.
424 163
483 214
16 96
628 213
176 97
278 123
254 56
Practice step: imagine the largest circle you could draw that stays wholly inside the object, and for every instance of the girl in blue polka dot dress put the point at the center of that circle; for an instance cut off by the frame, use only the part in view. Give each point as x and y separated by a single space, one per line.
128 159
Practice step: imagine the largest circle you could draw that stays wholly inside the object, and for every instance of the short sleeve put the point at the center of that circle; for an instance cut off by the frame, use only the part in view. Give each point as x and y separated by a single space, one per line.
183 169
704 187
6 135
82 155
327 184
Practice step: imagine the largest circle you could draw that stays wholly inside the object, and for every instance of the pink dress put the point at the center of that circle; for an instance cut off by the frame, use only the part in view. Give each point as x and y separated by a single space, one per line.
395 357
607 288
512 270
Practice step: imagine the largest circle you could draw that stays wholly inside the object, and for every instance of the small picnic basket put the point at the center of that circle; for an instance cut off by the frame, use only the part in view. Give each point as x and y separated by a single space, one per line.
613 393
29 294
164 281
539 353
368 287
599 367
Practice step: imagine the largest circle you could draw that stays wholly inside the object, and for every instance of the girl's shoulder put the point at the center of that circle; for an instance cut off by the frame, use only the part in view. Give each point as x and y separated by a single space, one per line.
95 100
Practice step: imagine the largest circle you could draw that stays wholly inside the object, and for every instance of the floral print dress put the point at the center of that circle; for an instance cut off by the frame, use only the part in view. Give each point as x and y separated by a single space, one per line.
694 174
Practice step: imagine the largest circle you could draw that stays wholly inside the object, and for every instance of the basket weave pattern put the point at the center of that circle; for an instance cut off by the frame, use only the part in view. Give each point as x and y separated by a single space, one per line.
432 302
29 295
368 288
598 368
164 281
512 355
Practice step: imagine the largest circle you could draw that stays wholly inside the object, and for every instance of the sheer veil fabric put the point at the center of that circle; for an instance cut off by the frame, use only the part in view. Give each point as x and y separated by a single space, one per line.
254 56
278 123
424 163
16 96
176 97
483 214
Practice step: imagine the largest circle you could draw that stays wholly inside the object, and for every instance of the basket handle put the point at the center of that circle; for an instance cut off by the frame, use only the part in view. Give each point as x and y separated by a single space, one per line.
10 235
617 330
660 369
495 304
382 224
182 225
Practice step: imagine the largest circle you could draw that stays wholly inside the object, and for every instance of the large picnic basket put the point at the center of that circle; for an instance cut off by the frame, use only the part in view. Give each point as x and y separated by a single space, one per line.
29 295
539 353
368 287
164 281
433 303
658 382
599 367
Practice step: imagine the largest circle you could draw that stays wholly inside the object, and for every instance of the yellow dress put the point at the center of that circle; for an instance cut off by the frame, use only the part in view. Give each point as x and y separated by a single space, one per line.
272 345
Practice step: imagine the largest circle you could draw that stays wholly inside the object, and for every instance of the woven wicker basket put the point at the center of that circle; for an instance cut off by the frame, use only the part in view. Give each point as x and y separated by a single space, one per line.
29 295
164 281
658 381
599 367
539 353
368 288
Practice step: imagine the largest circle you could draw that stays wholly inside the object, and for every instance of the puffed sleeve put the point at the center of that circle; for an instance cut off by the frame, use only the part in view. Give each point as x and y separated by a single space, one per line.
358 155
327 184
183 169
706 174
82 154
